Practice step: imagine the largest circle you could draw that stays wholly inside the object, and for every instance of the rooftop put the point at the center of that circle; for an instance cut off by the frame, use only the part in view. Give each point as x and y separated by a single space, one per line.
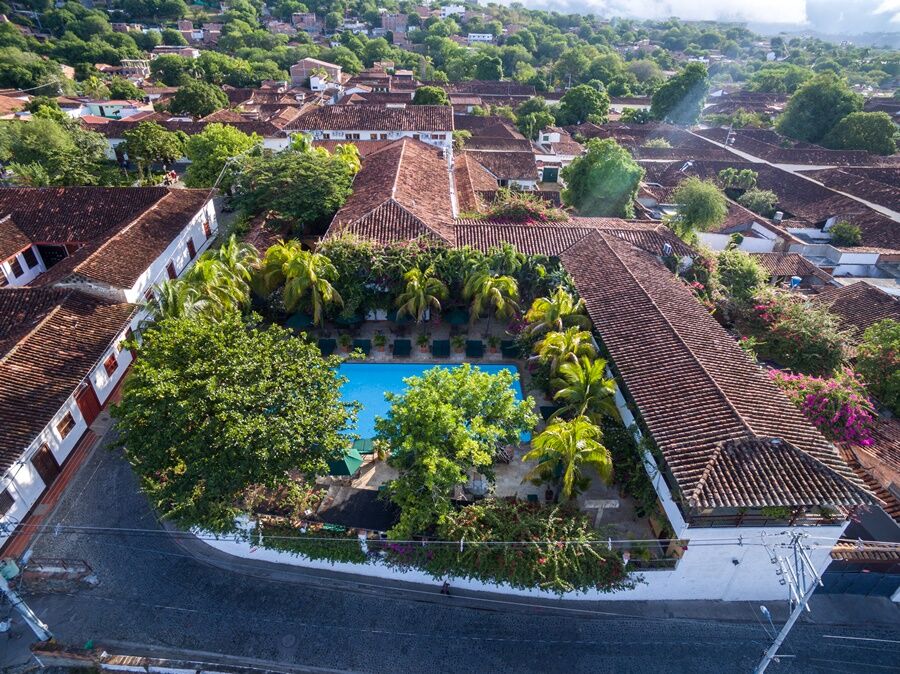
859 305
375 118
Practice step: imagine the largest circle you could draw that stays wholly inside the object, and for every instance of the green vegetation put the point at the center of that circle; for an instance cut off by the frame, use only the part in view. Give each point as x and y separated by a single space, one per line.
878 361
603 181
761 202
149 142
845 234
210 153
681 98
304 277
430 96
816 108
197 99
739 275
873 132
701 207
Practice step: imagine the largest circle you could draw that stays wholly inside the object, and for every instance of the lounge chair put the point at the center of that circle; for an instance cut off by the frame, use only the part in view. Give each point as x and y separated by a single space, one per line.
402 348
474 348
440 348
509 349
364 345
327 346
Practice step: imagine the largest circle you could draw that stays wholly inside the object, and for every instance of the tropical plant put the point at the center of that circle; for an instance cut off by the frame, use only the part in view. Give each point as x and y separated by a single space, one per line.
423 290
563 450
845 234
557 312
270 274
308 279
569 345
176 298
584 390
761 202
240 259
224 290
496 295
734 179
739 274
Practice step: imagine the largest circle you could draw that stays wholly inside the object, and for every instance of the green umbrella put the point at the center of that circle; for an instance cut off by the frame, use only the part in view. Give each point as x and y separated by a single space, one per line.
348 320
347 465
399 320
458 317
299 320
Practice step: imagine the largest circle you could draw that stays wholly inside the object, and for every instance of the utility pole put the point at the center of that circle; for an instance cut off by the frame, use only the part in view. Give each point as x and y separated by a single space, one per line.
801 585
36 624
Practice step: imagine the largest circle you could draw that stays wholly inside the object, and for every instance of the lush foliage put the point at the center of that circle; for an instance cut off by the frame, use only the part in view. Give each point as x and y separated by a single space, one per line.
447 423
306 279
198 99
604 181
701 206
583 389
816 107
681 98
845 234
873 132
517 206
563 450
430 96
149 142
583 103
837 406
212 150
567 346
761 202
739 275
555 313
213 409
423 291
878 361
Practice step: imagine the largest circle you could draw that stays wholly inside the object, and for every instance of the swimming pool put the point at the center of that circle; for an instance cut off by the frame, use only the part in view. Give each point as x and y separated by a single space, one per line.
368 382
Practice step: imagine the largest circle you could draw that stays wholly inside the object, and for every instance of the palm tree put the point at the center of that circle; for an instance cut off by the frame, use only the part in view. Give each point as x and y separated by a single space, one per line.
214 281
270 274
240 259
563 450
561 347
308 278
498 295
556 312
586 390
423 290
176 298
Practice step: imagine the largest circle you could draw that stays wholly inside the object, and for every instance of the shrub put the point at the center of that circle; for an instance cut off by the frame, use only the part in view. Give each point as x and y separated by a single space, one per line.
878 361
845 234
761 202
739 274
515 206
837 406
658 143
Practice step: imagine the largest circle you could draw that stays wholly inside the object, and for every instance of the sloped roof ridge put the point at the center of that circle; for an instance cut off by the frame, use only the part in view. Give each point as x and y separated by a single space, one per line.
398 170
37 326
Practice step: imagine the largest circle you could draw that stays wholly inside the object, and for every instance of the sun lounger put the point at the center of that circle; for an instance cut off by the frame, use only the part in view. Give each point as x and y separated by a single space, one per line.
440 348
474 348
402 348
327 346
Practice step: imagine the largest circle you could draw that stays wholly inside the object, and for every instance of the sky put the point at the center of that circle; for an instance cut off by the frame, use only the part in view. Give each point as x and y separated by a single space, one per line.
826 16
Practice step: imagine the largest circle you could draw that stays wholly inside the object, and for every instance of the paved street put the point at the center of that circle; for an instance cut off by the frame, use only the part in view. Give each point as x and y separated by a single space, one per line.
155 592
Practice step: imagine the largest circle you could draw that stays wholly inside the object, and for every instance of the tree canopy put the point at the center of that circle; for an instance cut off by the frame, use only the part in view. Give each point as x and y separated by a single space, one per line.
873 132
211 149
603 181
582 104
816 107
198 99
149 142
430 96
680 99
701 205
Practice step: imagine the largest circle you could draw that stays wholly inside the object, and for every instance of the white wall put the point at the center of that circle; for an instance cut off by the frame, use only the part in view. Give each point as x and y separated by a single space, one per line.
28 275
749 244
442 139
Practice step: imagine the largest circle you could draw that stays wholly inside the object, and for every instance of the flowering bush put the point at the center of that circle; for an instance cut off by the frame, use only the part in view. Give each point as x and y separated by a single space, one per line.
795 334
837 406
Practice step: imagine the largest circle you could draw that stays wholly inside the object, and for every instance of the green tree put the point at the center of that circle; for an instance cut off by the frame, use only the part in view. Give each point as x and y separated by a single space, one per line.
783 78
176 298
563 450
488 68
197 99
430 96
149 142
96 88
498 296
565 346
816 107
447 423
211 150
223 291
680 99
878 361
845 234
557 312
170 69
212 410
170 36
739 274
870 131
422 291
307 278
582 104
701 206
762 202
734 179
122 89
603 181
305 188
584 390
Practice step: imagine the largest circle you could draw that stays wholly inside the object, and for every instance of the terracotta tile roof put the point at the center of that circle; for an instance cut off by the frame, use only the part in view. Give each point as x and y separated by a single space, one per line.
710 410
402 189
879 185
487 127
70 332
9 105
365 147
376 118
490 88
225 115
859 305
116 128
790 264
12 239
471 180
498 144
507 165
545 239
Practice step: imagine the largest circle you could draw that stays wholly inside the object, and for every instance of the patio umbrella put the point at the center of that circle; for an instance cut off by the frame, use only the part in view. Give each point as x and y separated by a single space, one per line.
347 465
458 317
298 321
348 320
405 319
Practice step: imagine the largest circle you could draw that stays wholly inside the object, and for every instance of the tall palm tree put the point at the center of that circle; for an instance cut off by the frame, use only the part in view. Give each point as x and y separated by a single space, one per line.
270 274
423 290
586 390
563 450
564 347
214 281
240 259
176 298
308 279
498 295
557 312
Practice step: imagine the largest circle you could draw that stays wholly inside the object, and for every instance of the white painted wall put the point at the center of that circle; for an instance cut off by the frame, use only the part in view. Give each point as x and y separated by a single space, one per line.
442 139
749 244
28 275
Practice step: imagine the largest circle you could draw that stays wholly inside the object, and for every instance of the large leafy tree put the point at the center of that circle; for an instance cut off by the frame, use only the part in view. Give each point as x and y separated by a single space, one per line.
447 423
211 410
149 142
563 450
304 187
430 96
198 99
878 361
870 131
680 99
488 67
603 181
423 291
581 104
817 106
701 206
211 150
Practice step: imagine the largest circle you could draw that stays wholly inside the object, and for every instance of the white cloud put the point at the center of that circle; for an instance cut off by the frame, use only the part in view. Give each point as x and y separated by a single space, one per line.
766 11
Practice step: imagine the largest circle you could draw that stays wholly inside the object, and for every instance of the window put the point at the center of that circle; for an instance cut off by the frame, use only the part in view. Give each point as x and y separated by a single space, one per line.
65 425
16 267
30 258
383 136
326 136
192 251
207 232
170 270
110 364
353 136
6 502
148 296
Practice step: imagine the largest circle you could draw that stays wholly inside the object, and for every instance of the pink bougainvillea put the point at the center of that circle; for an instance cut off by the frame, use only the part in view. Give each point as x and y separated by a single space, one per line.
837 406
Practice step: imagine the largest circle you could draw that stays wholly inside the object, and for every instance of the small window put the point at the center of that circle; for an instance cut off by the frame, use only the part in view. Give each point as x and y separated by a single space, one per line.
66 424
326 136
30 258
6 502
110 364
148 296
170 270
16 267
192 251
383 136
207 232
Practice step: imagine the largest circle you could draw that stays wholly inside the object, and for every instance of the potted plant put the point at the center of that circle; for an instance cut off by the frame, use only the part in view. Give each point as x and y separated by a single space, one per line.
493 343
422 340
458 342
379 340
345 341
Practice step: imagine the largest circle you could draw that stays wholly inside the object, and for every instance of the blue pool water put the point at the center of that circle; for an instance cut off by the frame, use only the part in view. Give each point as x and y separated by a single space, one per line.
368 382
